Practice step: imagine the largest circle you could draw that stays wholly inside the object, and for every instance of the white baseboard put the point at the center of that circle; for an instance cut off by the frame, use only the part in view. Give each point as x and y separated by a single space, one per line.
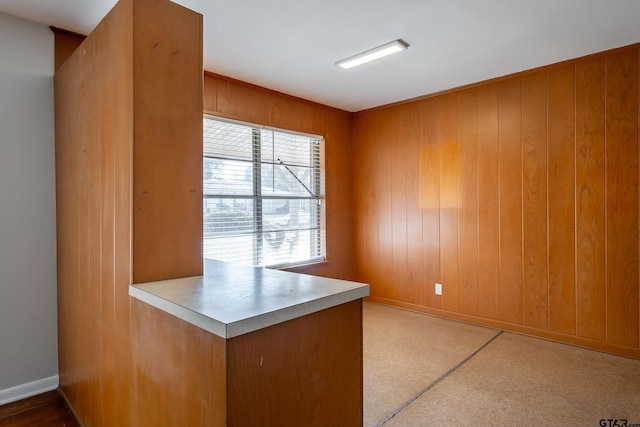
23 391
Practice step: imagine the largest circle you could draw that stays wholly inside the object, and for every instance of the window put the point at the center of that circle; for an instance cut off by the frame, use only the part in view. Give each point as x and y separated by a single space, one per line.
263 195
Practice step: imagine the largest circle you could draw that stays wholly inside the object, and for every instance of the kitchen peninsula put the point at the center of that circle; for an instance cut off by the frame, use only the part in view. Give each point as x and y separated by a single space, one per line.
293 342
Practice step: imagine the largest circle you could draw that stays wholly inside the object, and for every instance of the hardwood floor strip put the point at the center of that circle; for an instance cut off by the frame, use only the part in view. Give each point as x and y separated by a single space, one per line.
46 409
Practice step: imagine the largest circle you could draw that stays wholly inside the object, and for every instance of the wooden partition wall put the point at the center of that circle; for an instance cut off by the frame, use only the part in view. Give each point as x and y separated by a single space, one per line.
519 195
129 197
237 100
129 163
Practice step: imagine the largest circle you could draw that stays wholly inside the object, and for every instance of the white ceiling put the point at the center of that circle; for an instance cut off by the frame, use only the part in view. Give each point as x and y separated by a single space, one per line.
291 45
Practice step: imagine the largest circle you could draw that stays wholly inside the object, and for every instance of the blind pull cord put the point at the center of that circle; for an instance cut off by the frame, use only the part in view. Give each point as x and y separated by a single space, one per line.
296 177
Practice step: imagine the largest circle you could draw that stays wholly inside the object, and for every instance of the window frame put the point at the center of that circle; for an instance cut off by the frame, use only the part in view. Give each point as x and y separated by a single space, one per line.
257 163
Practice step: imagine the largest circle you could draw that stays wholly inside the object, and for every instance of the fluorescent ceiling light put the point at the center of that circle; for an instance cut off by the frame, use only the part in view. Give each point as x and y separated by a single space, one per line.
375 53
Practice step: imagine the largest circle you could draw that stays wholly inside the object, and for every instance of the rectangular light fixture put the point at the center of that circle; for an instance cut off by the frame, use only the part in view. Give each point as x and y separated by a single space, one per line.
372 54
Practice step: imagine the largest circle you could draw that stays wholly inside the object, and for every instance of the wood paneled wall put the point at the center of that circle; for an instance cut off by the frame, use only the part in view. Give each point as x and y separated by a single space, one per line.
237 100
66 42
93 202
519 195
168 150
113 225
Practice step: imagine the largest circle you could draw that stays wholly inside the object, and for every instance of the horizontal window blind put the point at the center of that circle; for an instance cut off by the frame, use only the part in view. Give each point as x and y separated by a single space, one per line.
263 195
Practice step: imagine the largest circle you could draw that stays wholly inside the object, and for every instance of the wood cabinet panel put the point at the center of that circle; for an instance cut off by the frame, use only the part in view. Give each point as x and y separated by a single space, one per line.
622 197
561 200
468 201
510 189
175 361
325 388
534 198
590 196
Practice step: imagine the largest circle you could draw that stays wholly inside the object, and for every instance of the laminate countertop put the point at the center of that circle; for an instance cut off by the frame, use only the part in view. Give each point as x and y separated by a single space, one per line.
231 300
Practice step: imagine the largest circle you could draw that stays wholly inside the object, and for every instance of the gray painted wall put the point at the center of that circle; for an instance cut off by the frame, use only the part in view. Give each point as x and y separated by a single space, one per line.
28 313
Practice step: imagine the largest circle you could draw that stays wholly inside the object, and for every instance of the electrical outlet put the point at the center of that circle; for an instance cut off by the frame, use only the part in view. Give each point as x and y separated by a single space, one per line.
438 288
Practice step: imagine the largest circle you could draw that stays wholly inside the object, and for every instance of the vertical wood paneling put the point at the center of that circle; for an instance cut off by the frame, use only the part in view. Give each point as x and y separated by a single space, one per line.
430 201
381 215
384 186
415 274
289 113
488 203
366 230
122 222
236 100
468 201
66 42
510 152
399 155
95 139
556 217
622 197
168 142
363 243
370 232
93 145
372 182
590 205
534 197
108 289
561 146
447 137
336 127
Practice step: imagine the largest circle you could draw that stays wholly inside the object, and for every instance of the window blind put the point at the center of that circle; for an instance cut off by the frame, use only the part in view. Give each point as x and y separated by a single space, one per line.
263 195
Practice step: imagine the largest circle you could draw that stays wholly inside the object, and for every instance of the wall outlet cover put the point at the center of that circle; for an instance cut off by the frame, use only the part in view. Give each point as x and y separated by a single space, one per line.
438 288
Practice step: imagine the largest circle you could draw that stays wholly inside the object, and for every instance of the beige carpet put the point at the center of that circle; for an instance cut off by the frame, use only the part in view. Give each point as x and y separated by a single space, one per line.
421 370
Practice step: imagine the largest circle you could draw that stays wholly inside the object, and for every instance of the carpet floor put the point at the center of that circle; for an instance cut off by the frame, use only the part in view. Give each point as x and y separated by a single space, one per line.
421 370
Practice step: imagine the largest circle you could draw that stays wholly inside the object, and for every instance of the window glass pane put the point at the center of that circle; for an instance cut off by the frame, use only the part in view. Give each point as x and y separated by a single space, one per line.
291 232
228 216
286 247
289 148
278 180
288 214
227 177
229 140
229 230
